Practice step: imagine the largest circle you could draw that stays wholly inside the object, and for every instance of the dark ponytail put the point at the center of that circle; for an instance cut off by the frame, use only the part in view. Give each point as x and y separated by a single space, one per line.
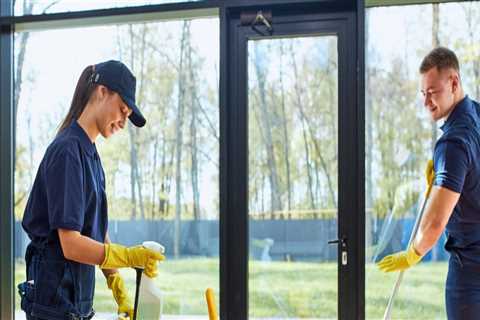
82 94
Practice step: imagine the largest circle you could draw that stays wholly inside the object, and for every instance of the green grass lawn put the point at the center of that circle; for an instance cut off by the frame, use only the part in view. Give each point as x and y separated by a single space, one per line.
286 289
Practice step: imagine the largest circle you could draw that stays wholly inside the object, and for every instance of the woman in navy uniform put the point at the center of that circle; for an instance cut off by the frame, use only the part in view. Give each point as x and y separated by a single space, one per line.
66 215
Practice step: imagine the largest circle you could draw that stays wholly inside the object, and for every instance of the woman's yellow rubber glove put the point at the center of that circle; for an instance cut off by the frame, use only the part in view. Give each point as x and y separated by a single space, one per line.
399 261
117 256
116 284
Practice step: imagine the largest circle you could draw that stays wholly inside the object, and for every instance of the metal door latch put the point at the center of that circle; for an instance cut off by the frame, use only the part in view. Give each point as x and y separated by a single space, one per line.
343 248
254 19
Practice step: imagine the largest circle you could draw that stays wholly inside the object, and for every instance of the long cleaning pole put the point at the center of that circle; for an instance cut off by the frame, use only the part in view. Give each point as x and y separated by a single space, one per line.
387 315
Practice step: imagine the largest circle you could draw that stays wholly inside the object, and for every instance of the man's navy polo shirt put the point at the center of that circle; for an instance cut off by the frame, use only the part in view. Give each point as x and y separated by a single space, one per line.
457 167
69 190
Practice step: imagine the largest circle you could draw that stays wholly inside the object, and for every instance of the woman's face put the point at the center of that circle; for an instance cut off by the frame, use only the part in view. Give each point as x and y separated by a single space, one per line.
112 112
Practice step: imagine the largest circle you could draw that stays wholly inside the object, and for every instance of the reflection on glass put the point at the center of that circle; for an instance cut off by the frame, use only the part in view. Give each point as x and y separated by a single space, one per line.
399 140
293 181
162 180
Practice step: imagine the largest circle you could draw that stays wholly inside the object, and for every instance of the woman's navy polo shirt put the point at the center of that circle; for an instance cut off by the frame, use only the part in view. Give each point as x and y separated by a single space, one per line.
69 190
457 167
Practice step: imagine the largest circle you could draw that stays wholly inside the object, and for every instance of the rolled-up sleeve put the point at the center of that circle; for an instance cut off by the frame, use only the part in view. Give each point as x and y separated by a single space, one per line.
451 163
65 191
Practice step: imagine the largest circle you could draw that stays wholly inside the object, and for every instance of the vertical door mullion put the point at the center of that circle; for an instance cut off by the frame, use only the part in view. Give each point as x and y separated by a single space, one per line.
234 180
351 183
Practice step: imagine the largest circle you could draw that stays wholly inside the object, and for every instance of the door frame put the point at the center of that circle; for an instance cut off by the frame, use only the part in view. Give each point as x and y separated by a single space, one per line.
234 156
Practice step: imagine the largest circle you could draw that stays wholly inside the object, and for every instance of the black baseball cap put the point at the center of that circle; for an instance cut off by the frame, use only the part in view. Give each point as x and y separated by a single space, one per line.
117 77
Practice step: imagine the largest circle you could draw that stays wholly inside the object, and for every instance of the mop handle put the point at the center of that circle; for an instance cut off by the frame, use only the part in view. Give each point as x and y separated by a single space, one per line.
137 290
388 310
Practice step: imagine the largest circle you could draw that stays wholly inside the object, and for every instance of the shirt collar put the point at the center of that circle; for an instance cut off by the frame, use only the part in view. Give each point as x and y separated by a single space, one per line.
85 142
462 107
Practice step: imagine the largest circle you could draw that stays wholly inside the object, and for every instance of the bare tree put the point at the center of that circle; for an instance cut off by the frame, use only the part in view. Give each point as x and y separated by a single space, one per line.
286 144
193 134
135 173
306 125
28 7
266 129
154 175
179 136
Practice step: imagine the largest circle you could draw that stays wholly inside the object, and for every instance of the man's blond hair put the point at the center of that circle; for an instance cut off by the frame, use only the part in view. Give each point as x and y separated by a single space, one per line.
442 58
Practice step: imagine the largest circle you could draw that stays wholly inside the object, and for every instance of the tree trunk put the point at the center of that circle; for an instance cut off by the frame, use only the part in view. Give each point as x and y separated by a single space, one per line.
154 177
163 169
193 137
169 177
135 173
179 138
20 60
286 141
308 126
141 94
308 166
299 103
133 150
471 22
133 163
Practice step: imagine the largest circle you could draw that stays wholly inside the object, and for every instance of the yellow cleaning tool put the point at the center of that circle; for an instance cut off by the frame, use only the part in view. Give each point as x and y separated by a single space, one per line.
212 310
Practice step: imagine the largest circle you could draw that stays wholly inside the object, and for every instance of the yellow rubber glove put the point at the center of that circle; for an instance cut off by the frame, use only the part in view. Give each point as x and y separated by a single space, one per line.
399 261
117 256
116 284
429 173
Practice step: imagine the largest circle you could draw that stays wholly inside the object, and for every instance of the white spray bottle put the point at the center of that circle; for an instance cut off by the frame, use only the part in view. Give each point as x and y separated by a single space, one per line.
149 299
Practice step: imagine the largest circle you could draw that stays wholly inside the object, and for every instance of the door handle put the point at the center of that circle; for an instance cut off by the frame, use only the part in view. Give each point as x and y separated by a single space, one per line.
343 243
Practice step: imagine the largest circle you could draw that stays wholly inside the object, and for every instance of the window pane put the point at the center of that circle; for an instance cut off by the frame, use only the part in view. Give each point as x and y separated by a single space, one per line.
55 6
399 140
293 172
162 180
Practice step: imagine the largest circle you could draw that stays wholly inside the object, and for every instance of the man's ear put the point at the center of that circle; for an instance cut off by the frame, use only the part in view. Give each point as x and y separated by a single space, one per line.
455 81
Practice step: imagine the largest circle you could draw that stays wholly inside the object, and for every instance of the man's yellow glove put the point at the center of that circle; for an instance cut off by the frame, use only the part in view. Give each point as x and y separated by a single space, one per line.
116 284
429 173
399 261
117 256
